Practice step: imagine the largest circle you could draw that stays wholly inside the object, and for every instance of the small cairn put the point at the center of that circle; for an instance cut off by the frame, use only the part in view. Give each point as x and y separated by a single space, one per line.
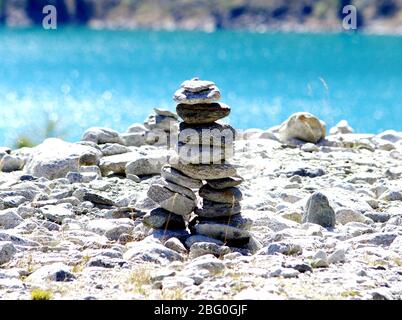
204 146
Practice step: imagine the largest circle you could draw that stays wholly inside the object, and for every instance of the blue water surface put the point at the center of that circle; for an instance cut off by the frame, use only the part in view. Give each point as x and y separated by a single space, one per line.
79 78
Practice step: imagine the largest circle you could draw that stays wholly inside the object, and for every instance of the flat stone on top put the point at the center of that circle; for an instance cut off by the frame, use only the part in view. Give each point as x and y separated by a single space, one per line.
210 95
196 85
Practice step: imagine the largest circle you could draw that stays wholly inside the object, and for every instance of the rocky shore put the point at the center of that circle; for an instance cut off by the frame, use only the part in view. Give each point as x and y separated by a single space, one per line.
322 208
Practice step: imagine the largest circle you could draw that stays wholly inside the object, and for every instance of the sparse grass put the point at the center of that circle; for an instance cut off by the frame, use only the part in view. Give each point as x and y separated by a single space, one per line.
140 278
173 294
81 265
39 294
350 293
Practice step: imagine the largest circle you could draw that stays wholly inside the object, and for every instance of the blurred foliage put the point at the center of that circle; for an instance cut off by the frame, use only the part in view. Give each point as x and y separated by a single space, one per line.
51 130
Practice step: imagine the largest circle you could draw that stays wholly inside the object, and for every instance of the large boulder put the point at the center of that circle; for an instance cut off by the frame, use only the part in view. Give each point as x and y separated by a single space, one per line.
303 126
319 211
54 158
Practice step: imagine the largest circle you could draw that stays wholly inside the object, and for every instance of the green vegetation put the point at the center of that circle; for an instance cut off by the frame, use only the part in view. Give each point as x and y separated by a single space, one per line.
39 294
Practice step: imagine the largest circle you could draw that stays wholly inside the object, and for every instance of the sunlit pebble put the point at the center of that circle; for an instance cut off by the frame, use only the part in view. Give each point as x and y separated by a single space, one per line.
65 88
107 95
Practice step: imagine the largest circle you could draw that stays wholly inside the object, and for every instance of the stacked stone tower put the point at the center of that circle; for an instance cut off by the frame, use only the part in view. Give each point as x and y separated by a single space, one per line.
204 146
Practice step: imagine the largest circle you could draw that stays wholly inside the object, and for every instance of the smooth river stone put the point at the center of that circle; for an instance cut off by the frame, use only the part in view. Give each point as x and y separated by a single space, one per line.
197 85
211 209
235 221
203 112
199 154
179 178
228 195
223 232
176 188
225 182
171 201
204 171
160 218
206 134
209 95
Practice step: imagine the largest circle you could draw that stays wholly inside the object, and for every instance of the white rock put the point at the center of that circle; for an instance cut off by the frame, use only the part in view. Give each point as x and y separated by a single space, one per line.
9 163
337 256
101 135
303 126
52 272
54 158
341 128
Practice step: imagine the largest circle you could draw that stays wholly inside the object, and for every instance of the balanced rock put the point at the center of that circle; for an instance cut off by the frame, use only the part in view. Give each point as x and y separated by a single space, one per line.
170 200
227 195
223 232
175 176
225 182
197 85
212 209
208 95
204 171
176 188
162 219
235 221
319 211
202 154
303 126
203 112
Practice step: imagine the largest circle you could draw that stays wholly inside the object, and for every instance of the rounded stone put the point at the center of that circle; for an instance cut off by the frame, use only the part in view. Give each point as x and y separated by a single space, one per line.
205 96
203 112
160 218
211 209
227 195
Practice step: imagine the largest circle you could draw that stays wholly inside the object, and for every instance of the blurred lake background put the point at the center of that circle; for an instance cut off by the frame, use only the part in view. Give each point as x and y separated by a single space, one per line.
110 66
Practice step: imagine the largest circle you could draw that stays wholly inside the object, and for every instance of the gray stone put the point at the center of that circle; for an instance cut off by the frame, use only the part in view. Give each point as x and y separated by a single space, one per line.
7 251
202 113
299 266
13 201
225 182
199 238
204 171
146 166
209 95
378 216
223 232
211 209
84 177
101 135
337 256
162 219
110 149
115 232
9 219
320 260
378 239
133 139
285 273
229 195
179 178
341 128
202 248
319 211
286 248
344 216
176 188
136 128
17 240
392 195
151 251
171 201
235 221
54 158
57 213
176 245
9 163
53 272
207 262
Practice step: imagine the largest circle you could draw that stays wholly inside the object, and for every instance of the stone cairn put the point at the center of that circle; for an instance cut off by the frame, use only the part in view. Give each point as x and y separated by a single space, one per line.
204 146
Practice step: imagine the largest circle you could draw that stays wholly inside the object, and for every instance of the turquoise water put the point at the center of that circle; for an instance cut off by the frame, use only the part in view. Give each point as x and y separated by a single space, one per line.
80 78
